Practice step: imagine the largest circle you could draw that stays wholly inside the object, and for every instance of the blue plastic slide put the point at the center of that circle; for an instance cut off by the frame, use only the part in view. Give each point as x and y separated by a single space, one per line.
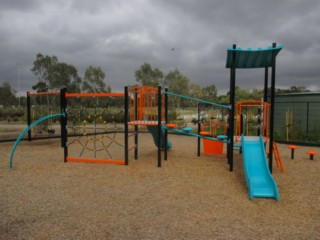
259 180
154 132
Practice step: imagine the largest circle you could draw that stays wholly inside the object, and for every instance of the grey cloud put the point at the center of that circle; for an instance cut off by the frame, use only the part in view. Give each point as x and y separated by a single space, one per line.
121 35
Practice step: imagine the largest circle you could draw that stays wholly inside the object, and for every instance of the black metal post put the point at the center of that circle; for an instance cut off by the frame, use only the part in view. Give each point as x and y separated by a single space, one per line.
273 83
228 134
159 125
241 123
199 128
136 126
166 121
307 117
29 115
64 121
292 153
265 92
232 103
259 122
126 135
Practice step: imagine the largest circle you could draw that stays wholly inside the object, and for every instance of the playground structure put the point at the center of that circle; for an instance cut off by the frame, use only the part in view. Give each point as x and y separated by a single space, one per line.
146 106
258 185
92 128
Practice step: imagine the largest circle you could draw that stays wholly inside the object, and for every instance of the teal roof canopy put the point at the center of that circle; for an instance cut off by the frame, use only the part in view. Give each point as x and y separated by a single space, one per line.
250 58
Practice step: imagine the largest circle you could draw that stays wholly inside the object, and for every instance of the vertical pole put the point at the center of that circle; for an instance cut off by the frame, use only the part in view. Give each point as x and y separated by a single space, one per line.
232 103
241 124
307 117
259 122
136 126
265 92
64 122
126 109
159 125
199 127
166 121
29 115
273 83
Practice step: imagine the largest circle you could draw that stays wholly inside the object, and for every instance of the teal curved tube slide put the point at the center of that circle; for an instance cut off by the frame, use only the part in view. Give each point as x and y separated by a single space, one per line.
28 128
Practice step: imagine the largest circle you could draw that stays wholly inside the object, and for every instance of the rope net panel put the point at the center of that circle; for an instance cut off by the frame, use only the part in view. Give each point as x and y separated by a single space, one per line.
95 128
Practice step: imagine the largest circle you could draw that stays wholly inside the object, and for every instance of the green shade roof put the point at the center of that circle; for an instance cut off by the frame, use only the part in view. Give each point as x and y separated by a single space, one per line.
259 58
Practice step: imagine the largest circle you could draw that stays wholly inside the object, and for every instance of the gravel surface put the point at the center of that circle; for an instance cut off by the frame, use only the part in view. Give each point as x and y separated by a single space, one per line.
187 198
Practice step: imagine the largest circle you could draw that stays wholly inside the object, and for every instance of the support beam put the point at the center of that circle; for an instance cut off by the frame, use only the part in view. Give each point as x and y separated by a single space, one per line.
64 120
232 111
126 129
29 116
265 92
159 125
166 121
273 83
199 128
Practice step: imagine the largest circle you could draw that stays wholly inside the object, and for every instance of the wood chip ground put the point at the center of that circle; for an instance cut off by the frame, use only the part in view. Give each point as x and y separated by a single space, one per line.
189 197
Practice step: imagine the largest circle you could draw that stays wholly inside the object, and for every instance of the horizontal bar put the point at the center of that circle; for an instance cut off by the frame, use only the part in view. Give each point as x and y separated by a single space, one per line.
249 105
94 94
198 100
195 135
88 160
42 93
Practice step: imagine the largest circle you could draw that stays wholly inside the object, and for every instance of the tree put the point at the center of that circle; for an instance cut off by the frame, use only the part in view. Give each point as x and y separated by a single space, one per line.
256 94
241 95
210 93
148 76
40 87
177 83
41 68
292 89
7 95
93 80
195 92
53 74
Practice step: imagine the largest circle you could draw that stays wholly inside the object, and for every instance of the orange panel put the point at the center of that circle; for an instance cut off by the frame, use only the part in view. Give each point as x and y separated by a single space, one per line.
94 94
212 147
88 160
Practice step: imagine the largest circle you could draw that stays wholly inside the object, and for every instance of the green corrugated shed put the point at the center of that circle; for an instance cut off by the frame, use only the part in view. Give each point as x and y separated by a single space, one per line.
303 114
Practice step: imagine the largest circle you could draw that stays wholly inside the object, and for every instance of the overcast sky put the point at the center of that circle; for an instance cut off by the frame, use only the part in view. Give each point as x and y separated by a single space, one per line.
120 35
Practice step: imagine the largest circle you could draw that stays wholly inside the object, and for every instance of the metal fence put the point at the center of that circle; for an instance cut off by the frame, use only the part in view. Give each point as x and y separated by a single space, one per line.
297 122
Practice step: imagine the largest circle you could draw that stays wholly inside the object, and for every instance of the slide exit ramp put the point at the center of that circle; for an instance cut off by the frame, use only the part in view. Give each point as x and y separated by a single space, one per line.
259 180
154 132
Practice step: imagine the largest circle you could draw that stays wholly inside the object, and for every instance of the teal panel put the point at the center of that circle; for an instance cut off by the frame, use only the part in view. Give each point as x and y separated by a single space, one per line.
259 58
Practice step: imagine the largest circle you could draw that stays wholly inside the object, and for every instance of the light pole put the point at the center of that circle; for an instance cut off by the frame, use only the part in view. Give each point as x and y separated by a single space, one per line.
19 64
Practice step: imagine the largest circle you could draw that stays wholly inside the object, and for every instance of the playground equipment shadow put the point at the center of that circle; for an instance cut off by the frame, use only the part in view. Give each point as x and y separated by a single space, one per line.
187 198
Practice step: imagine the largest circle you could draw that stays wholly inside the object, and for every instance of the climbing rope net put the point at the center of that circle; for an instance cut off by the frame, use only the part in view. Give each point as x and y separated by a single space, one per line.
93 127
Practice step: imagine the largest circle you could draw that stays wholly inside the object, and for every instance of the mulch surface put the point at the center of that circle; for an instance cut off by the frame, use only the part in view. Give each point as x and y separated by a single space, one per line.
189 197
